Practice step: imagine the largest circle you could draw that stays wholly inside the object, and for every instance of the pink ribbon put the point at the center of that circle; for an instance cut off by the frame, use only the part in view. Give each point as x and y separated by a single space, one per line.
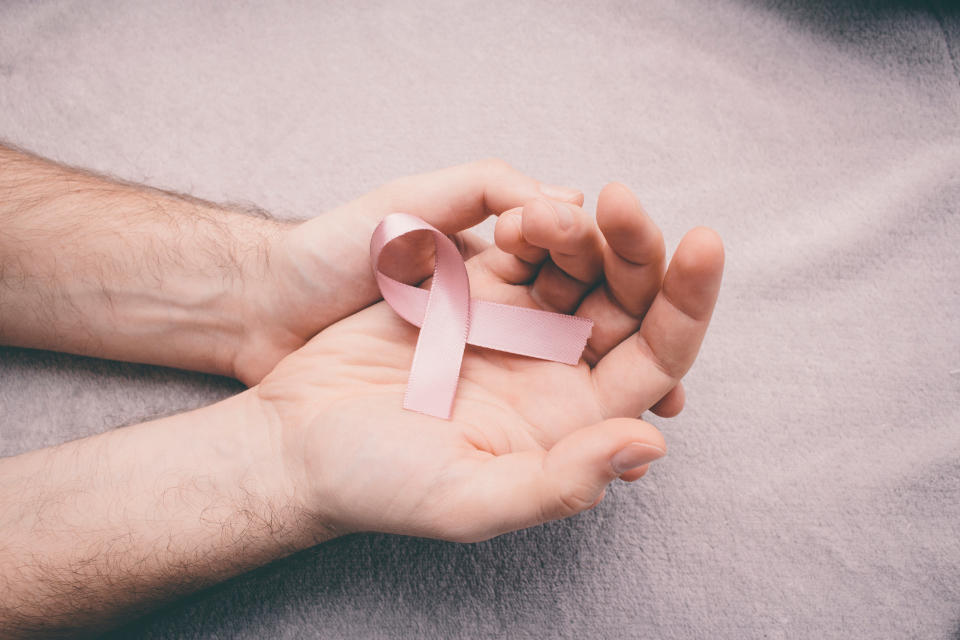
449 319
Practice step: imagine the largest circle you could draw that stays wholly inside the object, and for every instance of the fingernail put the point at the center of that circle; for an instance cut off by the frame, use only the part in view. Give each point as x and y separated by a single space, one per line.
560 193
564 214
635 454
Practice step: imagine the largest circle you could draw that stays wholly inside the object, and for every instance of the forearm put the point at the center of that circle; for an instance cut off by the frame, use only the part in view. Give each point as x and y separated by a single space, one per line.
97 267
99 529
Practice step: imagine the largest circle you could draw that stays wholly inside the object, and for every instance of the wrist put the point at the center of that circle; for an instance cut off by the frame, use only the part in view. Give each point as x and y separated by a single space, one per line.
242 445
266 300
285 466
221 471
202 306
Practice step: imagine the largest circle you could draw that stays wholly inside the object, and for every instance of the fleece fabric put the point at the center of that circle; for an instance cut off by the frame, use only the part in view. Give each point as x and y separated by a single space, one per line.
812 487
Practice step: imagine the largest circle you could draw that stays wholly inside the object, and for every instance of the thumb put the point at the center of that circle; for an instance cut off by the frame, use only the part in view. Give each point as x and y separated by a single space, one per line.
577 470
526 488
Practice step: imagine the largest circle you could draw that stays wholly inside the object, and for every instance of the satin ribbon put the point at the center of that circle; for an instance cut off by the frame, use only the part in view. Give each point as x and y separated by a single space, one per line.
449 320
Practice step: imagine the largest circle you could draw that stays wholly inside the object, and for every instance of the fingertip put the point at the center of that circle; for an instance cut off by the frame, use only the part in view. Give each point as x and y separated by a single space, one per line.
508 237
539 222
562 194
635 474
628 229
702 253
639 431
566 229
617 190
582 464
615 204
507 233
707 236
693 278
672 404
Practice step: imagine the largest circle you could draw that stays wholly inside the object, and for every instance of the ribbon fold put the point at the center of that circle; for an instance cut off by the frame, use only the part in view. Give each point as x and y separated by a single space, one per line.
449 320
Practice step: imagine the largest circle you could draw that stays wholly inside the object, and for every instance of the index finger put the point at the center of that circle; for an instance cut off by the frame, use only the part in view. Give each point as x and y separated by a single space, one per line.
459 197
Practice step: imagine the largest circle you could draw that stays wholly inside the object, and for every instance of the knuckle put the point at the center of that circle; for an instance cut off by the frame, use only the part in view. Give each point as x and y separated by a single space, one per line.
494 165
393 189
668 369
574 498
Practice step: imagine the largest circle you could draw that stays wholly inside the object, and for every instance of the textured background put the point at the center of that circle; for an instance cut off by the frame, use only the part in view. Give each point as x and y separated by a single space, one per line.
813 483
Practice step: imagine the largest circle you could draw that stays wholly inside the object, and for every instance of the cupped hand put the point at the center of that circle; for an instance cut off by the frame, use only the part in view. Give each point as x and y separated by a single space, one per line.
528 440
319 270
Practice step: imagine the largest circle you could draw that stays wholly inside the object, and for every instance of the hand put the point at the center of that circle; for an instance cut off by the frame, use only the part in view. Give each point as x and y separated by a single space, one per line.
168 279
529 440
320 269
322 447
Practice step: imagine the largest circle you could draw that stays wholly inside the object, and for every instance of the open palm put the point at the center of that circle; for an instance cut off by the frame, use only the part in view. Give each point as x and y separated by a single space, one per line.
529 440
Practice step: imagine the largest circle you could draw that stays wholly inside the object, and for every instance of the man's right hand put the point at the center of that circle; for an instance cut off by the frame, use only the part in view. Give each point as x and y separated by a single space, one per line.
319 270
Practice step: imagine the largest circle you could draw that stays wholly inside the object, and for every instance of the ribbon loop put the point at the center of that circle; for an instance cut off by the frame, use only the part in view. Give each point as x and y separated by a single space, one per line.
449 320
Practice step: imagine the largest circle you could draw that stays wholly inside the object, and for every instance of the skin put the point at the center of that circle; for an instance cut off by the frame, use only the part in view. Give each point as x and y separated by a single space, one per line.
529 440
103 528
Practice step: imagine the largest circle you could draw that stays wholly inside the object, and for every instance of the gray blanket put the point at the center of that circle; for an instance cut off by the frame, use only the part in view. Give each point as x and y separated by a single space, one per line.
812 487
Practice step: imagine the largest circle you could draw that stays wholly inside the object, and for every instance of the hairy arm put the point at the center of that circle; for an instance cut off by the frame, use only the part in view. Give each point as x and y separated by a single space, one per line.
99 267
100 529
